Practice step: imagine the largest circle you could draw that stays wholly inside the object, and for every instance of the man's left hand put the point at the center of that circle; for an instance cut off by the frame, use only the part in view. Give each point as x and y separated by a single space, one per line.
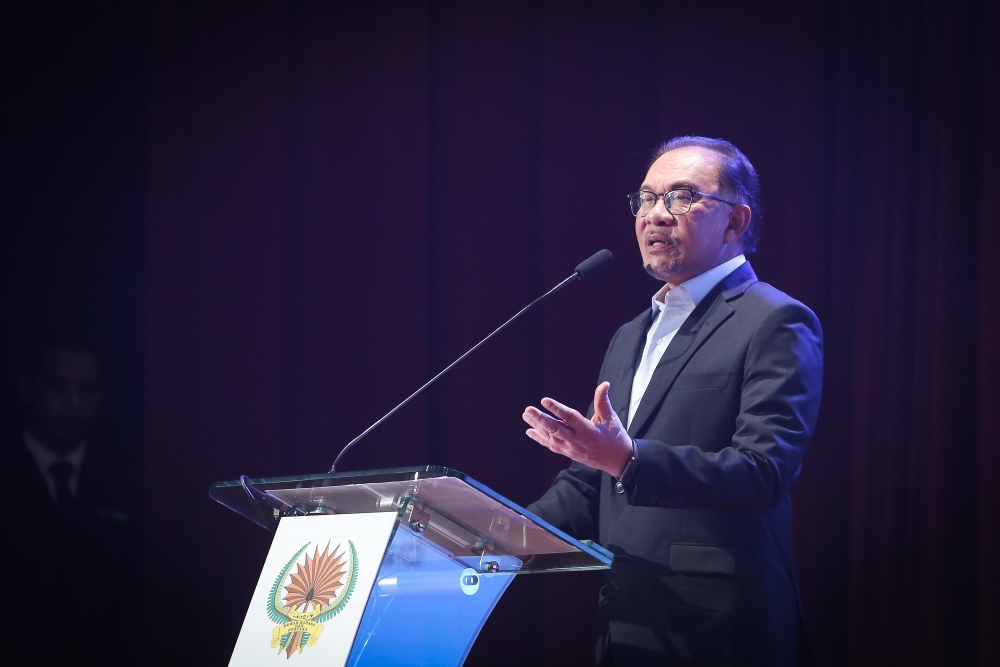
600 442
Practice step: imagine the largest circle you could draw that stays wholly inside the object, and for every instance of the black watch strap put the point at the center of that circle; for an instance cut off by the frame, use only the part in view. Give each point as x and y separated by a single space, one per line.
628 472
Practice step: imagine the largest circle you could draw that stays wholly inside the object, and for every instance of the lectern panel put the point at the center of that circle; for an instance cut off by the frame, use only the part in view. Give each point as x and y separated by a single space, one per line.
427 608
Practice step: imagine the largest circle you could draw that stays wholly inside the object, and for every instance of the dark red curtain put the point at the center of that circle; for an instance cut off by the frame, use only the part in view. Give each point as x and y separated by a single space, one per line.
343 199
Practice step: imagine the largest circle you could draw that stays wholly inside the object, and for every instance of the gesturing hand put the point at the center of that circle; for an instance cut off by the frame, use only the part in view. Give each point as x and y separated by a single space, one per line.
600 442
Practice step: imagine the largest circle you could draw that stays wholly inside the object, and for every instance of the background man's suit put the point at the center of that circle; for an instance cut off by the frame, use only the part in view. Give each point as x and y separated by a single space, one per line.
76 565
702 534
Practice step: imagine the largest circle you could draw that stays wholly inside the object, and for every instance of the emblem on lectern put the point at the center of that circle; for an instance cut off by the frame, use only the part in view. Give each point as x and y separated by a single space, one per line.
318 590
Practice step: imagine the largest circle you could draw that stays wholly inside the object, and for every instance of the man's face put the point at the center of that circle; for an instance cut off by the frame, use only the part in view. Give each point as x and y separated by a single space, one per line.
678 247
63 399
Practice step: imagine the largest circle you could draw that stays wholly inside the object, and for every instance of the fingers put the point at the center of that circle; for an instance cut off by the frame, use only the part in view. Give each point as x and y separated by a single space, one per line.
547 431
567 414
541 421
602 404
601 443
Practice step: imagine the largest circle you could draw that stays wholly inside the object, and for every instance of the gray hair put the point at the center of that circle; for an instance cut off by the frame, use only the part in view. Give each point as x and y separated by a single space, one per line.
737 177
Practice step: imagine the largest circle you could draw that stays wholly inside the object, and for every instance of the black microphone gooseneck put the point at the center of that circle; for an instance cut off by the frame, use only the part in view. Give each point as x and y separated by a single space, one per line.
588 268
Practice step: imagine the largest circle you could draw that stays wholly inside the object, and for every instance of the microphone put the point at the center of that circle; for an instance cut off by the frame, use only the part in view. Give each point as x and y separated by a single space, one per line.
593 265
586 269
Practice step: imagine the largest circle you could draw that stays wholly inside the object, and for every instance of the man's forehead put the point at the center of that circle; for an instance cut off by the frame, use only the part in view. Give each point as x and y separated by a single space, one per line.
691 166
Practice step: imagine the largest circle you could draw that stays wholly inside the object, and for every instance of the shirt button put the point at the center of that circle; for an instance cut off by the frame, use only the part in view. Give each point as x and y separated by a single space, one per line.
619 487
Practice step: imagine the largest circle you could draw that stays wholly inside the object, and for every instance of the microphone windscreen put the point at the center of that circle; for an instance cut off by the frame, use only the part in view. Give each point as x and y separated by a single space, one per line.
594 264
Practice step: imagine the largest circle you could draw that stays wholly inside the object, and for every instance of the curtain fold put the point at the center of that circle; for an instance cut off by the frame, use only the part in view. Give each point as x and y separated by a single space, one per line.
343 200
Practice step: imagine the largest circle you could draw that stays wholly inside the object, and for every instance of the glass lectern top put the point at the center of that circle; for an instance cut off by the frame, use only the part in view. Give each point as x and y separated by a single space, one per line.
459 515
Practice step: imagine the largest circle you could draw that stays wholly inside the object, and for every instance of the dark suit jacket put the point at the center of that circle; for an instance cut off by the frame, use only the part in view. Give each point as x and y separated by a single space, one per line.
703 571
78 564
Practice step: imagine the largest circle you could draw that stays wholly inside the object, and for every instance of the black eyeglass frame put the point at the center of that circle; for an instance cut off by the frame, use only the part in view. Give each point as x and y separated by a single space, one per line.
671 195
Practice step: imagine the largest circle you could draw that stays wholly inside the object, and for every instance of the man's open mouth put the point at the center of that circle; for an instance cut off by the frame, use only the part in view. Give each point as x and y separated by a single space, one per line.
659 242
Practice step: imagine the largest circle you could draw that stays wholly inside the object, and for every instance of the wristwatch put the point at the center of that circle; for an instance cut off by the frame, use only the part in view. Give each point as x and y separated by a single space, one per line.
628 472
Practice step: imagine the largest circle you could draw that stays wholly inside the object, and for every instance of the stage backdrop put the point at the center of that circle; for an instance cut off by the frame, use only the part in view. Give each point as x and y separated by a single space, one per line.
344 199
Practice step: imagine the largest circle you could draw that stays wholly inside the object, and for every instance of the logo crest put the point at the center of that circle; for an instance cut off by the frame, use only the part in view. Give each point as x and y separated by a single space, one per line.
319 589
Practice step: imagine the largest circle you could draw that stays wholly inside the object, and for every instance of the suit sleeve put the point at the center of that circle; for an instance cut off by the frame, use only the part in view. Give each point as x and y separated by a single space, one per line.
571 503
779 404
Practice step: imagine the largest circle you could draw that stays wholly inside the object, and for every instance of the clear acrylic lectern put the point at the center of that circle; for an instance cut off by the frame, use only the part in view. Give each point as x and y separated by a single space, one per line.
453 548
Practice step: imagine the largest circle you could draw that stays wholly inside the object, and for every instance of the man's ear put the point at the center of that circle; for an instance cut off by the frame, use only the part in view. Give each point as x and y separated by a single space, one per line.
739 222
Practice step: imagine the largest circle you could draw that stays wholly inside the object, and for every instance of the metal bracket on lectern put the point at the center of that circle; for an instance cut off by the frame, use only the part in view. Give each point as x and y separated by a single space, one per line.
416 518
262 500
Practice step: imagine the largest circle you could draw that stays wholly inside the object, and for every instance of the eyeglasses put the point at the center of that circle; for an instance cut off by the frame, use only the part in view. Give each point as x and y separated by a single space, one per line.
677 202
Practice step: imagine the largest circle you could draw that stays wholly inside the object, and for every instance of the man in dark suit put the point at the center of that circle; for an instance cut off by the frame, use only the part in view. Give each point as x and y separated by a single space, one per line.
703 411
70 544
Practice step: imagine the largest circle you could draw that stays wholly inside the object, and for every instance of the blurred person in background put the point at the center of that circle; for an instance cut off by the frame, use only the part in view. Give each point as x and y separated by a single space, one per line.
70 535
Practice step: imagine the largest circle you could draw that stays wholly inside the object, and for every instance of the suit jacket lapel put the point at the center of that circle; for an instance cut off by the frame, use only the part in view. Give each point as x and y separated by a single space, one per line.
629 347
696 329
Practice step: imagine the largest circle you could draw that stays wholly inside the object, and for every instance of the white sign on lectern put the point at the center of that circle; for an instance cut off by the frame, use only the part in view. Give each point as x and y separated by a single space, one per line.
313 590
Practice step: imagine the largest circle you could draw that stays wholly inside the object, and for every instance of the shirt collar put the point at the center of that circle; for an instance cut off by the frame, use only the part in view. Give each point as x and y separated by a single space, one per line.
45 457
692 291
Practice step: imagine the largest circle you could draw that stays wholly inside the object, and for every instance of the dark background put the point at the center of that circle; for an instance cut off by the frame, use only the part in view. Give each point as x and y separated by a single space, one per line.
278 219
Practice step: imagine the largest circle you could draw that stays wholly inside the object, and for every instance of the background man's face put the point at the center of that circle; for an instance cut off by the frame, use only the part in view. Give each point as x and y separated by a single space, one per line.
676 248
63 398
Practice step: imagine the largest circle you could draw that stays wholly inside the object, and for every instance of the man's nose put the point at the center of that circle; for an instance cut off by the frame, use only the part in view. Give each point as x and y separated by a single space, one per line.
659 215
